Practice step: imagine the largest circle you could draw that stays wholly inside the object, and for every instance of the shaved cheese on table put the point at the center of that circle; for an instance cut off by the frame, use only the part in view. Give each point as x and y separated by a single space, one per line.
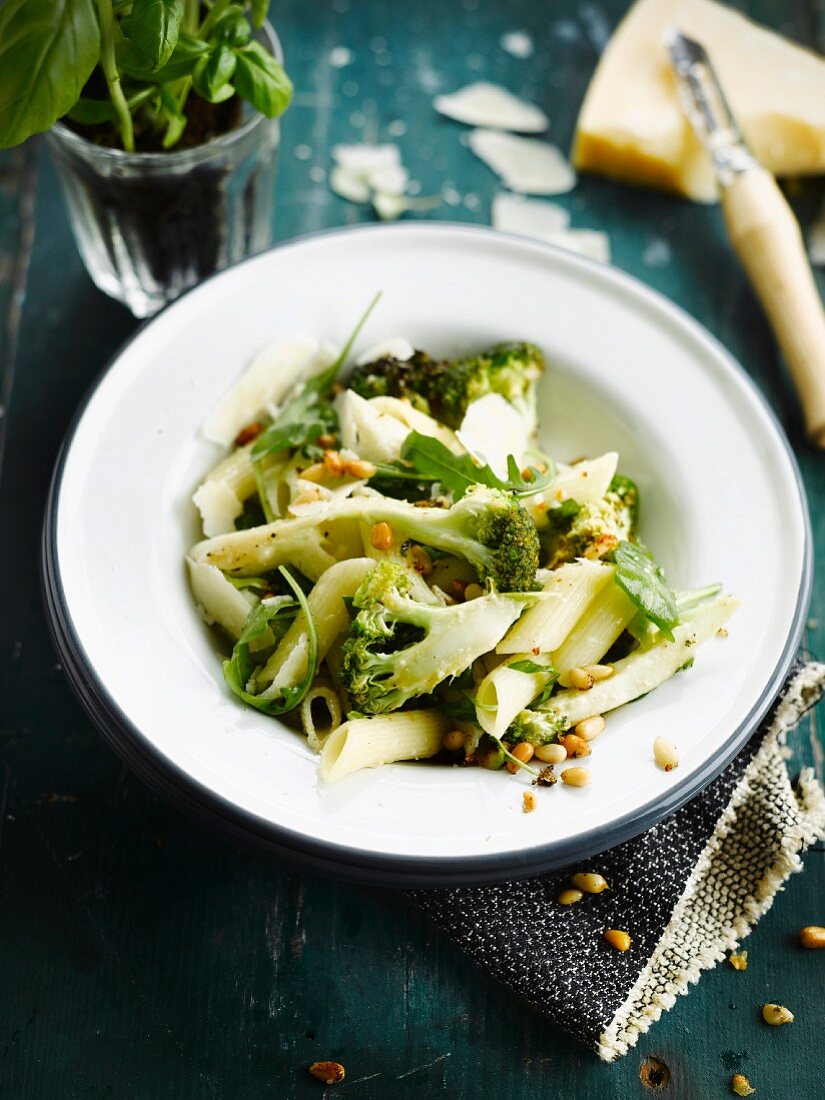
587 242
490 105
529 217
632 125
524 164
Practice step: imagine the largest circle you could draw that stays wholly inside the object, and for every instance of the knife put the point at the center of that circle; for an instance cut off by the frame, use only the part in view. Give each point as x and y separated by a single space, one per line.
762 229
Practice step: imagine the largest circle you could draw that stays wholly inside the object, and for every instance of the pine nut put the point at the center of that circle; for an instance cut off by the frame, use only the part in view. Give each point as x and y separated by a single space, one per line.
569 897
590 728
589 882
421 561
551 754
473 591
665 754
581 679
492 759
739 961
316 472
776 1015
576 777
741 1086
356 467
600 672
308 496
811 937
247 434
381 536
618 939
528 802
453 741
575 746
334 463
523 751
326 440
331 1073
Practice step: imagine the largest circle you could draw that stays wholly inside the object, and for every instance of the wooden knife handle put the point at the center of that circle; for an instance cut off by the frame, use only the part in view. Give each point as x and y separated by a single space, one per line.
769 243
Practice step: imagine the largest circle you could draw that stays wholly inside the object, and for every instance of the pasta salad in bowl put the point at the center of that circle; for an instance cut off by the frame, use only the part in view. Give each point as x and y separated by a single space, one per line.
404 574
468 553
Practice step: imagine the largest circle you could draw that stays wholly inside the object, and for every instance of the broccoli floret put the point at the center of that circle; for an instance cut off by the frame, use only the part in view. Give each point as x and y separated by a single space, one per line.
487 527
398 648
536 727
444 388
594 531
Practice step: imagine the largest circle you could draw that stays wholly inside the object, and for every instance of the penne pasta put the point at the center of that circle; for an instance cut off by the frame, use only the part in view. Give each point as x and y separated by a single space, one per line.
385 739
325 694
645 669
584 481
595 632
287 665
505 691
568 592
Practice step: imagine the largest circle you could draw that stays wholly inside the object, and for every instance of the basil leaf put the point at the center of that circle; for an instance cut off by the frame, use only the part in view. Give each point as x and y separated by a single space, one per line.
261 80
628 490
462 709
233 27
638 575
424 458
213 73
531 667
303 419
249 582
278 617
259 10
186 54
153 27
48 49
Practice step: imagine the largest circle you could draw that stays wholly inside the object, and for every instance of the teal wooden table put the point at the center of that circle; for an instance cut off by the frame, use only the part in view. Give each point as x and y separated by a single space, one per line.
143 957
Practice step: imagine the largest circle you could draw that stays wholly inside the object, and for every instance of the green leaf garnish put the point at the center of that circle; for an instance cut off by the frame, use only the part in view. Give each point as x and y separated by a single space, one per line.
304 418
638 575
276 615
424 458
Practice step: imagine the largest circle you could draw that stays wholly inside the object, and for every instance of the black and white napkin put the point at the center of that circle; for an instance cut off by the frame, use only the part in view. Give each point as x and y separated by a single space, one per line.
686 891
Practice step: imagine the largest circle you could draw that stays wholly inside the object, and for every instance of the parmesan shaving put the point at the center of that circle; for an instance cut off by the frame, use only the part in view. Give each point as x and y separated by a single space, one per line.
492 106
524 164
529 217
267 381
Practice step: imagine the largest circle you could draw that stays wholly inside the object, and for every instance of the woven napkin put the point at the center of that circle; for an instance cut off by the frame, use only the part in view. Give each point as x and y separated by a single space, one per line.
687 891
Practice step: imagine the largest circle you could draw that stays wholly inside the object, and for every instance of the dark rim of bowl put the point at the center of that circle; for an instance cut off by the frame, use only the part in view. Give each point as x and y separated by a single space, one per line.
357 864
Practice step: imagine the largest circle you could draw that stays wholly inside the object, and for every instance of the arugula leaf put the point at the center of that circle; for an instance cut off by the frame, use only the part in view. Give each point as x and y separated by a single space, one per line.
424 458
153 27
249 582
261 80
278 617
462 709
638 575
533 668
303 419
48 49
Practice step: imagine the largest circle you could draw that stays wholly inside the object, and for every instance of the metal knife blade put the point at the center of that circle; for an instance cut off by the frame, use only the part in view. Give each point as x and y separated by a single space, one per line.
707 108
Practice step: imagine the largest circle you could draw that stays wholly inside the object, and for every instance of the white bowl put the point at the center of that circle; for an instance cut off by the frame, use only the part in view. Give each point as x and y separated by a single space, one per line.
721 500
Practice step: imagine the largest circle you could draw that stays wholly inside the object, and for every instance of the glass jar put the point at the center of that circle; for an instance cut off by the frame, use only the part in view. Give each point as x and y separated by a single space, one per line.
151 225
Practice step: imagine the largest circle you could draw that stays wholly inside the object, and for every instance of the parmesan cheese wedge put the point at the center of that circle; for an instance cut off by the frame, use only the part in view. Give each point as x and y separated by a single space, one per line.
632 125
490 105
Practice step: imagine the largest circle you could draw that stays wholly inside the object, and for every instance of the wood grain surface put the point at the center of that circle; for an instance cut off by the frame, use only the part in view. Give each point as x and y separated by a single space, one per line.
142 957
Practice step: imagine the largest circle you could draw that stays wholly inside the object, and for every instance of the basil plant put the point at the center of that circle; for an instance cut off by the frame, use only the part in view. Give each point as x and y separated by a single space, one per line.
128 67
